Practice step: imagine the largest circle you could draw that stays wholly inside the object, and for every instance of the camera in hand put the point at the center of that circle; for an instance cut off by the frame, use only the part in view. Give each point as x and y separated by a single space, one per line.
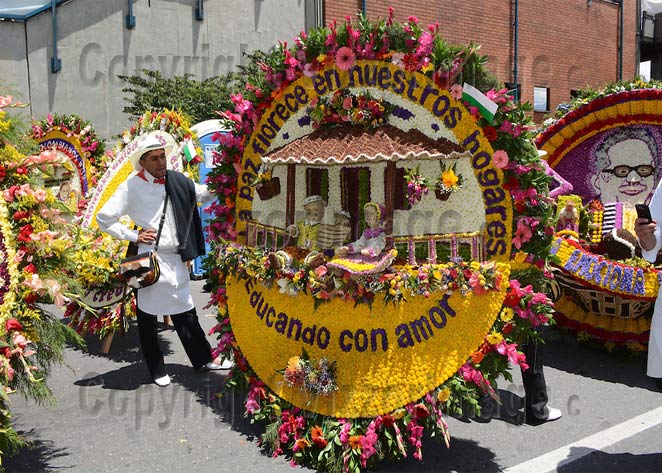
643 212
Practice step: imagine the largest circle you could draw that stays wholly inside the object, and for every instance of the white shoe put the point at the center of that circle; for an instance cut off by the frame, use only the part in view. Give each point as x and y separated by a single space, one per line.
162 381
226 364
554 414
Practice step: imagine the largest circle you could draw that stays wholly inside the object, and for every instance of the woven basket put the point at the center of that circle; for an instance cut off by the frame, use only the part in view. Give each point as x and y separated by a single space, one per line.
602 302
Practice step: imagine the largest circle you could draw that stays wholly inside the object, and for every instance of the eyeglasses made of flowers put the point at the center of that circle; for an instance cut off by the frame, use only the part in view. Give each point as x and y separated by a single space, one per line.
644 170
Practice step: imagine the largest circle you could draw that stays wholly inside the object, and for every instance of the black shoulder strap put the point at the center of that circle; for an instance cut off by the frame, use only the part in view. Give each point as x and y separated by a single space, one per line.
163 216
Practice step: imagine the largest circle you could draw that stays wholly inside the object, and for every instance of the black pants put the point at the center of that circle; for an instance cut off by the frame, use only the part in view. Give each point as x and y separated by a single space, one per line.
190 333
535 388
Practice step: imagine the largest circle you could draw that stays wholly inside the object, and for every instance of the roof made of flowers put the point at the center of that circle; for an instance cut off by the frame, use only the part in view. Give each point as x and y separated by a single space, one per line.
351 144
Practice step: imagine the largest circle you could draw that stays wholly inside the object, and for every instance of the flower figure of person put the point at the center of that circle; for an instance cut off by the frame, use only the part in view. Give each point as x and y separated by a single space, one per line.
568 217
68 196
373 239
342 222
624 169
366 255
306 231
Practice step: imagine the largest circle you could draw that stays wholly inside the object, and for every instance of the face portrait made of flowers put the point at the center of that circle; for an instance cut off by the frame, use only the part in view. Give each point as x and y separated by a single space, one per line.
625 169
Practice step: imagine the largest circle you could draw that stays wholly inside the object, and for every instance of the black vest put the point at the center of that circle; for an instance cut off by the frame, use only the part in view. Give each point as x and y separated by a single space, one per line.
181 192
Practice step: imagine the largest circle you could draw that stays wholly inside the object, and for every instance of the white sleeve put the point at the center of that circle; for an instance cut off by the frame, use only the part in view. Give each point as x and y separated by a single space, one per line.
109 216
656 212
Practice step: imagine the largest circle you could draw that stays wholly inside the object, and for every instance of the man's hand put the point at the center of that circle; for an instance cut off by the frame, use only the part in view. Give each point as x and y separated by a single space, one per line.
147 236
646 233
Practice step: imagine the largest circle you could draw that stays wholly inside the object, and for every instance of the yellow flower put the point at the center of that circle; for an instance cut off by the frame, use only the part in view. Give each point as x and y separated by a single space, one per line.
444 395
495 338
428 67
449 178
507 314
292 363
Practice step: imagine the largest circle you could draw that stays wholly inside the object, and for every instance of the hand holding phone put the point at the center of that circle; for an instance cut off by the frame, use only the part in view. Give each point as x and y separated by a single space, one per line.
644 212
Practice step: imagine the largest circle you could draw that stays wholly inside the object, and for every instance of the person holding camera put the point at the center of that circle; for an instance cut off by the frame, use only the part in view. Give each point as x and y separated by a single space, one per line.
649 234
142 197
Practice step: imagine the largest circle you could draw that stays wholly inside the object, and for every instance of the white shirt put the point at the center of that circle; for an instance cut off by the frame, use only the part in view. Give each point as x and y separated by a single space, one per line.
141 200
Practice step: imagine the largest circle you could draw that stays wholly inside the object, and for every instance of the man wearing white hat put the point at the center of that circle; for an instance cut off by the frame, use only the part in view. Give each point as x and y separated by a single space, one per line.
141 197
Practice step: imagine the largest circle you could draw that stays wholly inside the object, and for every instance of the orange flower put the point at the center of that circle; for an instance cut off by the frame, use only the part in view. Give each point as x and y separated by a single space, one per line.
477 357
301 444
355 442
317 434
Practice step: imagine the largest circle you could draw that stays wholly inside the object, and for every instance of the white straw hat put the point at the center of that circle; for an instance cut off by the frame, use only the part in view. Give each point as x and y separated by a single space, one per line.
147 142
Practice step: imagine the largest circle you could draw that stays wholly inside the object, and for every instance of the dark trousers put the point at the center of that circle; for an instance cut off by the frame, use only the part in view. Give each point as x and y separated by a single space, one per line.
190 333
535 388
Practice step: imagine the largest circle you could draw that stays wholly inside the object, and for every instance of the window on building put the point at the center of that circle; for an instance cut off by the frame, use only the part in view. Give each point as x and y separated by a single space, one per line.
400 191
317 182
514 90
541 99
353 201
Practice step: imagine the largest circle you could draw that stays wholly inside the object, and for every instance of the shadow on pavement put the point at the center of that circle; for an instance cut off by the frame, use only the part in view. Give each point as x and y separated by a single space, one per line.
124 348
226 405
602 462
562 351
464 456
126 378
36 456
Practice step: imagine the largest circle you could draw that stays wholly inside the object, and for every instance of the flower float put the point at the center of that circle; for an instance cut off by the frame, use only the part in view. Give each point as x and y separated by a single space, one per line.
602 297
422 337
76 140
34 270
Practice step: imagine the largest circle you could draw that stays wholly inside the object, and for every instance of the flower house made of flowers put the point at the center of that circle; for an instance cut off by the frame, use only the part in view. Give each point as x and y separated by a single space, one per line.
350 165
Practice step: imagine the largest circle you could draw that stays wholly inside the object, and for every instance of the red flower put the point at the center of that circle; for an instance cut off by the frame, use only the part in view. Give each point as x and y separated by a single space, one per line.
21 170
420 411
388 420
30 268
507 328
13 324
21 214
24 233
490 132
512 299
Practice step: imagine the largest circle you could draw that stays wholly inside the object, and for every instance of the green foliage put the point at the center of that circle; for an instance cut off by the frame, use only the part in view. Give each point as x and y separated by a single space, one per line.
149 90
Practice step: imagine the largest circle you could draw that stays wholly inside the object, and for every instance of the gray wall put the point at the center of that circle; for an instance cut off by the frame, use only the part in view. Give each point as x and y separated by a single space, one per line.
95 46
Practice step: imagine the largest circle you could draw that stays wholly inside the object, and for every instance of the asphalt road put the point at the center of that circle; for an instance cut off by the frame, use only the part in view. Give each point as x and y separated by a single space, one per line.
109 417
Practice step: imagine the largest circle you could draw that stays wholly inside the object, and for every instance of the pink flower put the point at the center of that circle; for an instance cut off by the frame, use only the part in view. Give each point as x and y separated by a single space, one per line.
345 58
5 100
398 59
456 91
500 158
523 234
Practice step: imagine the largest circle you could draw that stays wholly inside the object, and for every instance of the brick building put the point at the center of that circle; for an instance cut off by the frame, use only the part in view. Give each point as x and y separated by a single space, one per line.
561 45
